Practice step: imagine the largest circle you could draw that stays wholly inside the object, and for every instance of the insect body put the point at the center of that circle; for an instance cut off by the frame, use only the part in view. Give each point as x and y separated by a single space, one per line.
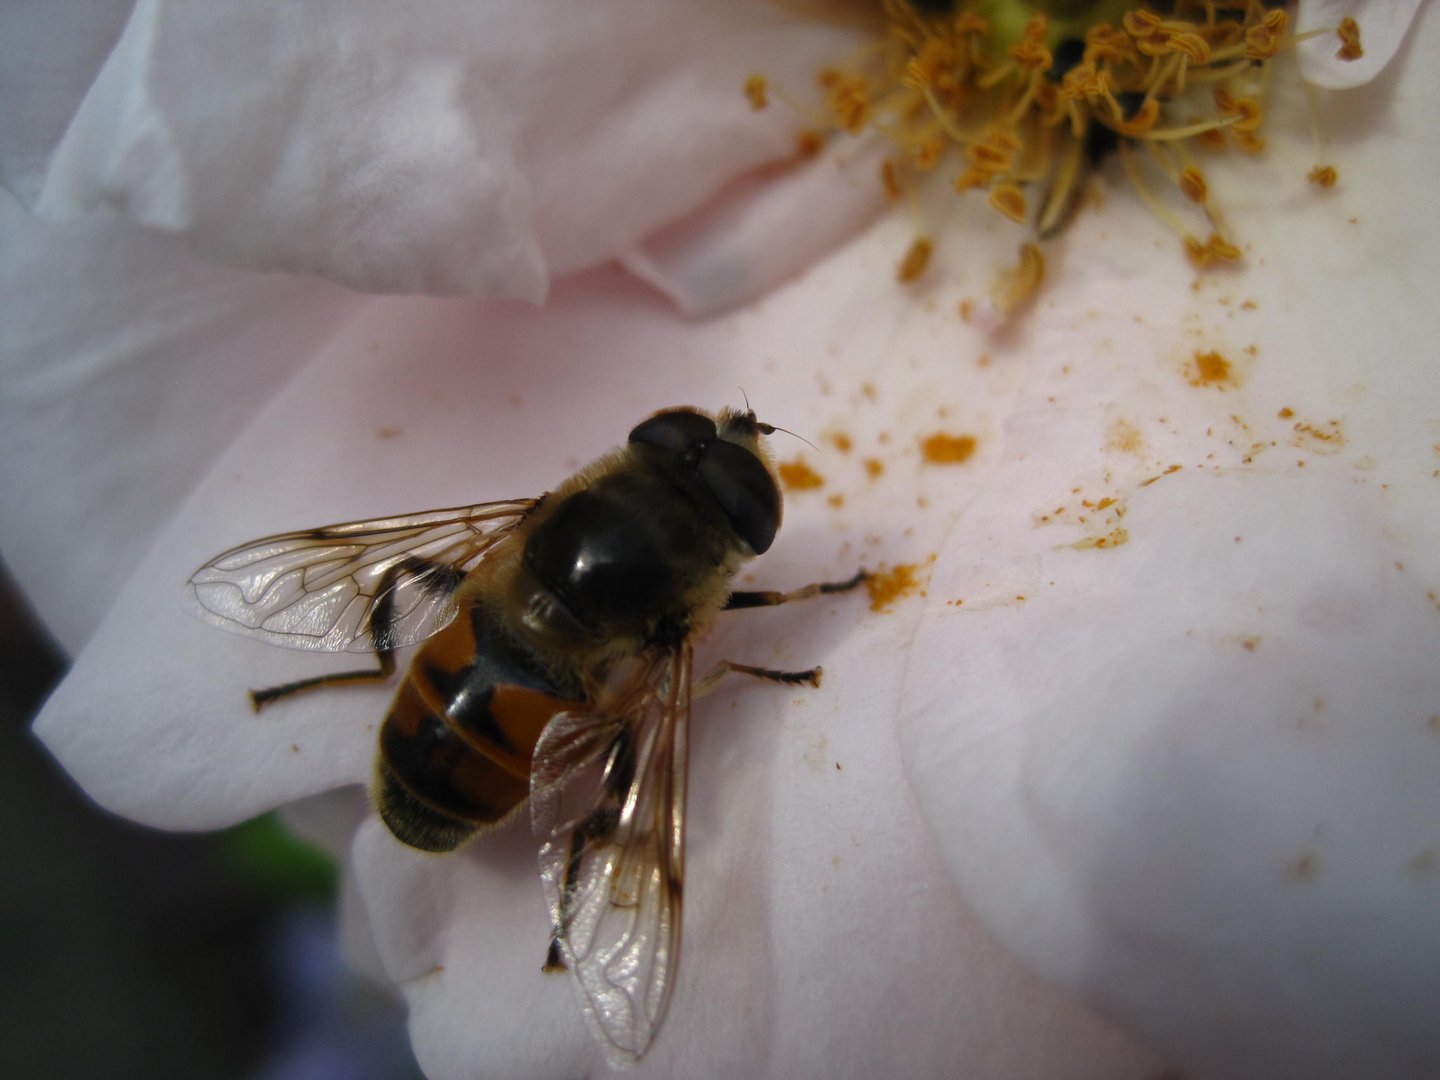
556 666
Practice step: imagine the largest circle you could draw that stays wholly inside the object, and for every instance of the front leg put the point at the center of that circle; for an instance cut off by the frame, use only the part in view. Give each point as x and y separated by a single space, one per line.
770 598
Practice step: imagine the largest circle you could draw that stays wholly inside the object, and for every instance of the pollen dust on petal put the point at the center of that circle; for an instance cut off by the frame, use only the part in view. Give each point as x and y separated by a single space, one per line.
886 587
1318 437
943 449
1125 437
1114 538
1211 369
798 476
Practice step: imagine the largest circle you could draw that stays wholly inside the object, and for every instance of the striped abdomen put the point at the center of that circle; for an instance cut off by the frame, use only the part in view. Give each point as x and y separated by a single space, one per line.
455 749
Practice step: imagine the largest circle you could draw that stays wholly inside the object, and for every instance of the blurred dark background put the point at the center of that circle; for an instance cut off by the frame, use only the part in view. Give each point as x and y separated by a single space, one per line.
126 952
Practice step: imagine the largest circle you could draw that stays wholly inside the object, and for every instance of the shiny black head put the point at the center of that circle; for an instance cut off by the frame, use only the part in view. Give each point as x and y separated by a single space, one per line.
724 458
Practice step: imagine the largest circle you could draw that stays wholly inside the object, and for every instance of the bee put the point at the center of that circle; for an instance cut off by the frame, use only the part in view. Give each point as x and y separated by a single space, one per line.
556 669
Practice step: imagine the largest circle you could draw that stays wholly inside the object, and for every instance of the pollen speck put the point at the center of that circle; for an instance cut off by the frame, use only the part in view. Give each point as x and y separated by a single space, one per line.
798 476
887 586
942 449
841 442
1210 369
1114 538
915 261
1326 437
1323 176
1170 470
755 87
1125 437
873 467
890 181
1303 868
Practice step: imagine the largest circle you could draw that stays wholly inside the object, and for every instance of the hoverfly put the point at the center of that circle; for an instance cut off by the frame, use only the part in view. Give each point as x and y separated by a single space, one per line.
556 668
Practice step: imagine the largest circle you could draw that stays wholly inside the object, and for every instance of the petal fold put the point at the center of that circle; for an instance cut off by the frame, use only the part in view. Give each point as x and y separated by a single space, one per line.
1383 26
481 150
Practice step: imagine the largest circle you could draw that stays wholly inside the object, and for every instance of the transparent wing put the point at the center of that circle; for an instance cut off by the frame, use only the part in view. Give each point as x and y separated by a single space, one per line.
608 805
356 587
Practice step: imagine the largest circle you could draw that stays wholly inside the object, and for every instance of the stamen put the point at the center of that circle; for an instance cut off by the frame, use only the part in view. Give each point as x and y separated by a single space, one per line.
1042 96
1017 284
1349 34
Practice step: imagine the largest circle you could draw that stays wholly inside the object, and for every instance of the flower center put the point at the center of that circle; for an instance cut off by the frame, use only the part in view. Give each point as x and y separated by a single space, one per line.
1021 99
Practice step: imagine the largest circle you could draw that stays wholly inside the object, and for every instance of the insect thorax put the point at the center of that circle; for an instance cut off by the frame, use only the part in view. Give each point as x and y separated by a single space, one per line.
631 556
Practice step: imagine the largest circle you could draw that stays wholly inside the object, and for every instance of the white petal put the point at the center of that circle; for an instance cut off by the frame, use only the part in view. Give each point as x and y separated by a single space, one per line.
820 924
797 867
1383 25
49 56
126 366
480 149
763 229
1191 775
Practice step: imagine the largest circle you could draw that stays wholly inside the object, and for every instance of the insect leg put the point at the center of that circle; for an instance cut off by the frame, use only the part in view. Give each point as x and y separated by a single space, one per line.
379 621
770 598
712 678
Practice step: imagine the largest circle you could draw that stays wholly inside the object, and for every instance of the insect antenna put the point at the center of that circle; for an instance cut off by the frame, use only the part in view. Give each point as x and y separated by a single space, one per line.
770 429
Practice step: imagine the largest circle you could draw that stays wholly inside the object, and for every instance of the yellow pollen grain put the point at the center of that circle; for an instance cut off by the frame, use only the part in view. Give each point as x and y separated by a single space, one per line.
887 586
1323 176
798 476
916 260
873 467
890 181
841 442
755 87
942 449
1170 470
1114 538
1125 437
1210 369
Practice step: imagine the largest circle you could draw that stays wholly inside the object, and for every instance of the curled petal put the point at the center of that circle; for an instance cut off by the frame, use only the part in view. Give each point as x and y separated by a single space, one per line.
1383 25
479 150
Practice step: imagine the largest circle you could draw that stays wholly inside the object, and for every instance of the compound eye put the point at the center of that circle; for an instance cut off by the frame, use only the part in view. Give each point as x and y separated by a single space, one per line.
675 429
745 491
